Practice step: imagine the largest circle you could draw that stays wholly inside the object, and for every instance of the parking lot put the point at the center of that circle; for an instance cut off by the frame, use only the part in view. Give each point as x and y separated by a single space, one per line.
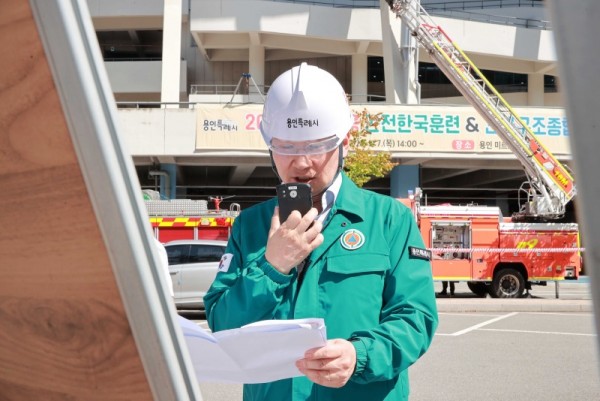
499 355
510 356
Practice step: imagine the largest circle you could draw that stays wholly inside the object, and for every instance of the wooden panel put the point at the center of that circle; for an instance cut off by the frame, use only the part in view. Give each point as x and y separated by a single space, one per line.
64 331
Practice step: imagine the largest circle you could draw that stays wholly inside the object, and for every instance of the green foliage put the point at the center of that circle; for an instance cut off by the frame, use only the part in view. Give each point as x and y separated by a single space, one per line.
363 163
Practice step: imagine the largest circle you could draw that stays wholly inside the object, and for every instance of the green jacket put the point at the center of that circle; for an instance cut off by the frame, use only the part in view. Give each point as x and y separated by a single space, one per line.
380 292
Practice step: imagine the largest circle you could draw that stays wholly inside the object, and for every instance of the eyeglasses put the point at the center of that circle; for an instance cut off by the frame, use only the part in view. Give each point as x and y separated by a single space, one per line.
294 148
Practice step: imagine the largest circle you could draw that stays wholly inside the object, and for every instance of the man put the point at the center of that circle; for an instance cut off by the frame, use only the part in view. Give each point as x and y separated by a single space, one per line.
445 288
356 259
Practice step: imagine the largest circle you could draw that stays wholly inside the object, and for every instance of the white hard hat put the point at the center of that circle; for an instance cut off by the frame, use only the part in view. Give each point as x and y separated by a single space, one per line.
306 103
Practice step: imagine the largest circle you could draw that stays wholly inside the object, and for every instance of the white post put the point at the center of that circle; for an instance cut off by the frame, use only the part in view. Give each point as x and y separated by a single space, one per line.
535 89
171 52
399 52
257 72
359 78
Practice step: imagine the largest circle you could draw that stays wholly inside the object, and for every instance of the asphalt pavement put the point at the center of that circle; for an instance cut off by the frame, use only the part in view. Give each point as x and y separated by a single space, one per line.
570 296
565 296
499 349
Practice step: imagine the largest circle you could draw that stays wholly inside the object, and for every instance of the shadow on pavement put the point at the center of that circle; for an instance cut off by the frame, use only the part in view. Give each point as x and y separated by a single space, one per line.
463 295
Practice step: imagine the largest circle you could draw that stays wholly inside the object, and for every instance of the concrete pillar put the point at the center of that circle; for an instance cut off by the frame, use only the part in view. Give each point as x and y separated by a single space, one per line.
168 181
360 85
171 52
399 59
404 179
502 203
257 72
390 30
535 89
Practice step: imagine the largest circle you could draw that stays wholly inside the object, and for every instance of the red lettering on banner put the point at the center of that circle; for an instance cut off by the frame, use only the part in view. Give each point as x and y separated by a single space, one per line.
253 121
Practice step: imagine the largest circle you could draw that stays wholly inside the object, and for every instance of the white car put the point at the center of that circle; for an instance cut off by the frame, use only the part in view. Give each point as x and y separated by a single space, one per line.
193 265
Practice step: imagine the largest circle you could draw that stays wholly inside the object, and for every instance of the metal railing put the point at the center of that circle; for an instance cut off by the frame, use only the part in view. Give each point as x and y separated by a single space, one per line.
445 5
337 3
452 9
155 105
493 19
224 89
190 105
470 4
108 58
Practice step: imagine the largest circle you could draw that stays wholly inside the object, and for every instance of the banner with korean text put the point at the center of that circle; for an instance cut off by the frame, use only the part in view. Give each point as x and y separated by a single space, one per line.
403 129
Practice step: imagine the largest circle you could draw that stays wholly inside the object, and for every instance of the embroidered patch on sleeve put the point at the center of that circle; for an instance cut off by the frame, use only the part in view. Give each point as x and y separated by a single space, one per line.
419 253
225 262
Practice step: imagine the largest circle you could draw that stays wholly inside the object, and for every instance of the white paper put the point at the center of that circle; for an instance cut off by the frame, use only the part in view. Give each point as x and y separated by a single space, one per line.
256 353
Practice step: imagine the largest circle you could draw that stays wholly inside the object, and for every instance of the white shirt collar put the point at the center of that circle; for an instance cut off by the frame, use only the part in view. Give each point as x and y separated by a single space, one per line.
328 198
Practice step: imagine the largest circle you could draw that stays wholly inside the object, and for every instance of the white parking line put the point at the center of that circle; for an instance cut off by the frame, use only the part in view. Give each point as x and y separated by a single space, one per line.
479 314
477 326
570 314
542 332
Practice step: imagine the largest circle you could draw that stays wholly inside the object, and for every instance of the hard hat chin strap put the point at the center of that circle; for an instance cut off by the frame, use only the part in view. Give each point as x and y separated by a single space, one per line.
339 169
274 167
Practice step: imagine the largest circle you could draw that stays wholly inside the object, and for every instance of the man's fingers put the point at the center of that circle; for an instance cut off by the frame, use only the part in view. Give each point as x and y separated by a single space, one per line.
292 241
325 378
299 223
308 219
275 223
317 364
313 235
330 351
331 365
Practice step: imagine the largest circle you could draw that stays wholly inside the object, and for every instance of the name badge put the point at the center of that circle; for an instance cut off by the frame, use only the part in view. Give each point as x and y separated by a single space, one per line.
419 253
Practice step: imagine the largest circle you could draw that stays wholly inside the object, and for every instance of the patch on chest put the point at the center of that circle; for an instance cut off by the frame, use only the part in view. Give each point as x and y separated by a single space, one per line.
419 253
352 239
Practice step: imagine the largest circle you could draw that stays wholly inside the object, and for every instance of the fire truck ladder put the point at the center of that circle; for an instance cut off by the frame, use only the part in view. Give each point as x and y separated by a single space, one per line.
551 186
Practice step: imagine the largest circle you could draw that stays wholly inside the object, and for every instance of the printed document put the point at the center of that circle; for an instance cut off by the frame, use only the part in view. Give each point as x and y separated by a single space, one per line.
256 353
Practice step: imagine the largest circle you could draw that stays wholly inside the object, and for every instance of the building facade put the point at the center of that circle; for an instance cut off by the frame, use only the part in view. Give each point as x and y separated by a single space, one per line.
189 77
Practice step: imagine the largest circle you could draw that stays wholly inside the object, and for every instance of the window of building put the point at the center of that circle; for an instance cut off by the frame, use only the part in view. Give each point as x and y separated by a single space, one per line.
375 69
434 82
550 84
130 45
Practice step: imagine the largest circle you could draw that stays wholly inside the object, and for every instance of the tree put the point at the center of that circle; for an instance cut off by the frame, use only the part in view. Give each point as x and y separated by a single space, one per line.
363 163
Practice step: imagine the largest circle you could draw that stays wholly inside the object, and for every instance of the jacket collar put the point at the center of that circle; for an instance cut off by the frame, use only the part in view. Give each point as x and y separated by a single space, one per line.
349 200
347 210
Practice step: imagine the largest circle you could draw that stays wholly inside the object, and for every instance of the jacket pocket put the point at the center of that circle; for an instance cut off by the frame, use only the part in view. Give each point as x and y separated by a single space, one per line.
358 263
352 290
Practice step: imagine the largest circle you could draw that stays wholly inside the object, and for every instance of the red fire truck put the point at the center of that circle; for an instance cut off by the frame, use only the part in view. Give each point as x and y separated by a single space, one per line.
502 256
189 219
494 254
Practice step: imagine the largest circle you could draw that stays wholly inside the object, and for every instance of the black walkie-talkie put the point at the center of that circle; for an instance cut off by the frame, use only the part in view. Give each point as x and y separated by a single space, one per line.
293 196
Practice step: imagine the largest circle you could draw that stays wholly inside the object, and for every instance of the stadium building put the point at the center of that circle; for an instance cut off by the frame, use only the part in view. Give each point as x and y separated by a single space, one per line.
190 76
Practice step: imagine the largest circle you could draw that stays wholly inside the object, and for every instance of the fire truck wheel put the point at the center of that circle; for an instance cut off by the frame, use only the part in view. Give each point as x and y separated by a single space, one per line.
508 283
478 288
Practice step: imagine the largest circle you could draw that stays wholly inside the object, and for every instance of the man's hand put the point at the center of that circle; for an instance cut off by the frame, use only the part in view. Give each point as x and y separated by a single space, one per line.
291 242
331 365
